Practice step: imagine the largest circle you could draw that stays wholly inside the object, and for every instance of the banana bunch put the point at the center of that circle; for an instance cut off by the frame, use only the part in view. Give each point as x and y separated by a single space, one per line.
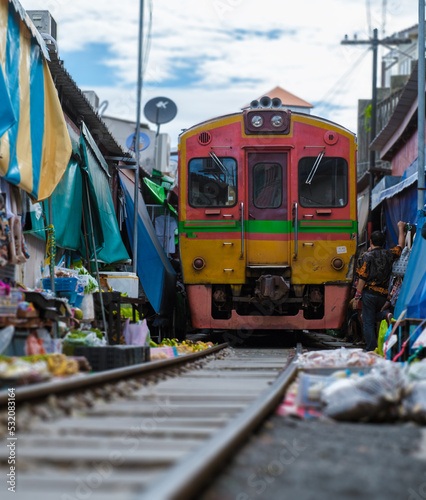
184 347
59 364
170 342
197 346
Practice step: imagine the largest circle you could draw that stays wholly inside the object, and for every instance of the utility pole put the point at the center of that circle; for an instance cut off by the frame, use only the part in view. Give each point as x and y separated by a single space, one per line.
421 111
374 44
137 141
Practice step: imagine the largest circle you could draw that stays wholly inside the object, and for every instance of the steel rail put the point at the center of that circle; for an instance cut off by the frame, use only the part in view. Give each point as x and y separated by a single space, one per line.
189 476
40 390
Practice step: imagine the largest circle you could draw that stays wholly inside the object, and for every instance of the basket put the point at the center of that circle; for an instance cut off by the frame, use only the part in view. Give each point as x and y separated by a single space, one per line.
103 358
61 284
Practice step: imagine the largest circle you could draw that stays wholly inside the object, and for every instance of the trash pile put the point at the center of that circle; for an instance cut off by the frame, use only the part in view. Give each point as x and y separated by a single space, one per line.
352 385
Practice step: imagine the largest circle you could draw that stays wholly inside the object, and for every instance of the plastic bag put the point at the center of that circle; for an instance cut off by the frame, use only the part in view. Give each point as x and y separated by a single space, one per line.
382 335
400 266
337 358
6 335
370 397
417 371
345 401
414 405
135 333
34 345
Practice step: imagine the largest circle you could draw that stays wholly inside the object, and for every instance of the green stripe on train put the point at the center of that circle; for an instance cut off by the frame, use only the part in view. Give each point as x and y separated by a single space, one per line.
269 227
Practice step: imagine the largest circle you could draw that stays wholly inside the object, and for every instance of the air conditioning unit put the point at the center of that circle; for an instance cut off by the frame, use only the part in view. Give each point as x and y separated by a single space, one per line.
162 152
92 97
44 22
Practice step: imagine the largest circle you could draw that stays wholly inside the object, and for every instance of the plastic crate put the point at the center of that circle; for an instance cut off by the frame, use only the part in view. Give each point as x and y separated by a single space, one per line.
78 300
103 358
71 296
61 284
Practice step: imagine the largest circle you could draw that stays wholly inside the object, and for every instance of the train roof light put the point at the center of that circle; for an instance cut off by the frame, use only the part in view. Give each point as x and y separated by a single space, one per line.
256 121
277 120
267 121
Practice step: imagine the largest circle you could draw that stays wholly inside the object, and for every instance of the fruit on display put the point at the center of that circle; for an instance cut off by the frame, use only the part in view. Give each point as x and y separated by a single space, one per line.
38 367
184 347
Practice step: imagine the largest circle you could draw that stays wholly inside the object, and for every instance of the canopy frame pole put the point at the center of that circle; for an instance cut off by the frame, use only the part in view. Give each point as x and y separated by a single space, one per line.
89 207
52 265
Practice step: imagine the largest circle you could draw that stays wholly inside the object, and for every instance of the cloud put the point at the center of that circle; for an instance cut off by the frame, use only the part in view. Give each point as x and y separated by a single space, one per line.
213 56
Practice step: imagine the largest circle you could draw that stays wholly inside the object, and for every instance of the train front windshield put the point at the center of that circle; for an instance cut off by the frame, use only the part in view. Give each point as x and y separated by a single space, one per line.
323 182
212 182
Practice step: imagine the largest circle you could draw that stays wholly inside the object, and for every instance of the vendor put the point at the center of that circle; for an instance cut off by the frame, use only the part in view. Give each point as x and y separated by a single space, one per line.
374 274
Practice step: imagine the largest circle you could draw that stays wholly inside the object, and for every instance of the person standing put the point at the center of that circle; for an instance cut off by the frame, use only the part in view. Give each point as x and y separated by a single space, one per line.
374 274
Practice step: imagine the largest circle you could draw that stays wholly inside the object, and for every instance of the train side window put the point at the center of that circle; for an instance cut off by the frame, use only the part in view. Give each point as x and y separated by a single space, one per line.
267 185
212 182
324 184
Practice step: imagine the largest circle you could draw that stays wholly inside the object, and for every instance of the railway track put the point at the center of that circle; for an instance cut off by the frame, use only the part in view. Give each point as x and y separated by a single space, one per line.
155 440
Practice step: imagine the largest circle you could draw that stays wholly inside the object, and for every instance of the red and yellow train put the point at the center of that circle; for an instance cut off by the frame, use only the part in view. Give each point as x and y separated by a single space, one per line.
267 220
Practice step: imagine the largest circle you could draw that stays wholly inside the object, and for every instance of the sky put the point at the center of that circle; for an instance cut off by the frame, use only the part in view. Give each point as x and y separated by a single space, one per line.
211 57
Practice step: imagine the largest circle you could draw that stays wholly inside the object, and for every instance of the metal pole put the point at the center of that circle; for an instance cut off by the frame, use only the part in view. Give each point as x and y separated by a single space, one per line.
52 261
137 141
373 129
52 264
421 110
89 210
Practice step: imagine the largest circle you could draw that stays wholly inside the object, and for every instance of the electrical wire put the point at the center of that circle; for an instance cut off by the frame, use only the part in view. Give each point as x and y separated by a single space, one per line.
384 8
368 8
327 100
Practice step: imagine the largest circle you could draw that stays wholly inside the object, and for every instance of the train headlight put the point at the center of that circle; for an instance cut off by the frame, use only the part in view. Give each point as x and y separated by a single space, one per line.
337 264
257 121
198 263
277 120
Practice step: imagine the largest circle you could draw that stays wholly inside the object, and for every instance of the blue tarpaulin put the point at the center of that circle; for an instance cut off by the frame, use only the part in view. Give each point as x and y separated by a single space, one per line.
413 295
402 206
154 270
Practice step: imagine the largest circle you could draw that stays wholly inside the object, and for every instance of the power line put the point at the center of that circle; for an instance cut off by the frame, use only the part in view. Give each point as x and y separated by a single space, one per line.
374 43
384 7
335 89
368 7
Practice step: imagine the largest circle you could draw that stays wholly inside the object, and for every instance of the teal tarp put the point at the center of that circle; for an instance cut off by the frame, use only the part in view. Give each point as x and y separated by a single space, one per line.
67 212
83 186
113 249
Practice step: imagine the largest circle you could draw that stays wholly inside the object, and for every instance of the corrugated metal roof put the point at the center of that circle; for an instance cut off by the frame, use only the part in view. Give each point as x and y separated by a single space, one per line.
81 106
387 140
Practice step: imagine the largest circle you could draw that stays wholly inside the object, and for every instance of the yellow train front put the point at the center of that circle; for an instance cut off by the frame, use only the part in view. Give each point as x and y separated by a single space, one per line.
267 220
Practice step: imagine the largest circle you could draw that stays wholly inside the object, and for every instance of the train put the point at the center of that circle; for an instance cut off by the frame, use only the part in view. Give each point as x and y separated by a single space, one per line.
267 219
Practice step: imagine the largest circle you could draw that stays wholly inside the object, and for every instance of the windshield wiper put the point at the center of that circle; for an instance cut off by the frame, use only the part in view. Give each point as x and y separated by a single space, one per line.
221 166
314 168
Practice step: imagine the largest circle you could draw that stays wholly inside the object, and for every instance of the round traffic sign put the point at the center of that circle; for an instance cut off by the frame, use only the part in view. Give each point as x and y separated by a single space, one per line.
144 141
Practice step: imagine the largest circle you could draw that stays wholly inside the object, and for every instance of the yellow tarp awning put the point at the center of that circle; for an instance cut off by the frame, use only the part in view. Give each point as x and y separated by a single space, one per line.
35 148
